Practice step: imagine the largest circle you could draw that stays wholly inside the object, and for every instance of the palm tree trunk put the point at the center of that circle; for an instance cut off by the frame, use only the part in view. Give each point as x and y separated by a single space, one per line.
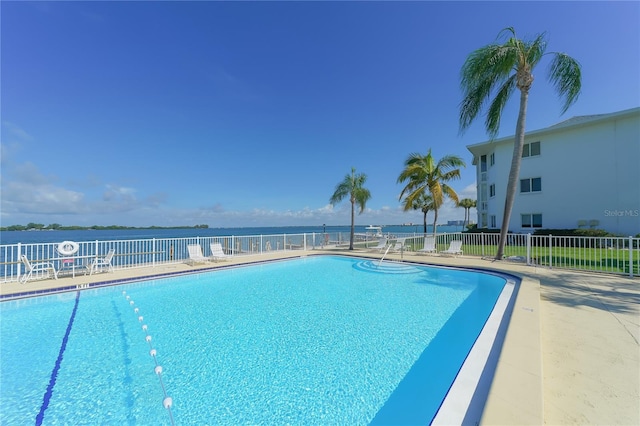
424 221
514 173
353 224
435 220
464 221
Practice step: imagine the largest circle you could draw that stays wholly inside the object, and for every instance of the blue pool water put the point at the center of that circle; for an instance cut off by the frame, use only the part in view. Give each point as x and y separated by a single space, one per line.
318 340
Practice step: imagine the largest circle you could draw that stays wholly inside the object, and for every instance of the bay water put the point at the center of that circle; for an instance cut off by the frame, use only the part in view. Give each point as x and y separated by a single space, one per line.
31 237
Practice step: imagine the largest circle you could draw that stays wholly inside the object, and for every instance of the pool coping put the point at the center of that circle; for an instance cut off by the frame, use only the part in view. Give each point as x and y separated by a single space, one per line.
516 392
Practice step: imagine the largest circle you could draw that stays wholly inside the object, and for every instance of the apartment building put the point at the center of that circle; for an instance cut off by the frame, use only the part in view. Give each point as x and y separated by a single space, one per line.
581 173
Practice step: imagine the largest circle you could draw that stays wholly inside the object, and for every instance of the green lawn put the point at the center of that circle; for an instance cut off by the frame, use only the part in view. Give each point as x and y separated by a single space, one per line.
589 259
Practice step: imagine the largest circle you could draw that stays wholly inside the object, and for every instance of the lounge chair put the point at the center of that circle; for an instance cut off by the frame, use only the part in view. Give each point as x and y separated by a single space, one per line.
382 244
217 252
39 269
429 245
399 245
455 247
102 262
195 254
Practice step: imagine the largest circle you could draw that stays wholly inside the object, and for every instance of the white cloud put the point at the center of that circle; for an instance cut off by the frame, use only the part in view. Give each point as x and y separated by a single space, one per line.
30 196
469 192
16 132
20 198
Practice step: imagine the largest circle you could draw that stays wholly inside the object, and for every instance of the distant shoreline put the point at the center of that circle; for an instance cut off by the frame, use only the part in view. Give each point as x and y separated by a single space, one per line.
93 228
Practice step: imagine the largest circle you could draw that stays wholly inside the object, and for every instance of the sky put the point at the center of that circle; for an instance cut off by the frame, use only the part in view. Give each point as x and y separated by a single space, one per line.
236 114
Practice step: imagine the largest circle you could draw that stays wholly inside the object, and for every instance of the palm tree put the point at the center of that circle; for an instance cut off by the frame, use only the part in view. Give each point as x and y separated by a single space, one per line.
467 204
500 69
422 173
352 185
424 202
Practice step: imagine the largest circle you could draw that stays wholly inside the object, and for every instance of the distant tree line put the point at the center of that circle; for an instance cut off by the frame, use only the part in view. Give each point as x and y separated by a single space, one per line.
58 227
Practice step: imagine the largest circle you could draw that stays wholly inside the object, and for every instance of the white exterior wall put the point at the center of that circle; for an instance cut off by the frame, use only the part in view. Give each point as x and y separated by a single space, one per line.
590 172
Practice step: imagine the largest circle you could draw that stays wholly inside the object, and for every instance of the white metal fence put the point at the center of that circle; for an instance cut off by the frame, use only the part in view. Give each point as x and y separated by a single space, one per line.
617 255
599 254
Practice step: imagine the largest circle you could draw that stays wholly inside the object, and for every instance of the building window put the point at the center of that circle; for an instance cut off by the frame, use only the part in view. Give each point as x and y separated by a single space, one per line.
492 190
493 221
531 149
531 185
492 159
530 220
483 163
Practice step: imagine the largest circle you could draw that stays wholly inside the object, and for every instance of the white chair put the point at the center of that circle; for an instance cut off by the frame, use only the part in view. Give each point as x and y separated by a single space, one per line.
399 245
195 254
429 245
382 244
218 253
101 262
455 247
39 269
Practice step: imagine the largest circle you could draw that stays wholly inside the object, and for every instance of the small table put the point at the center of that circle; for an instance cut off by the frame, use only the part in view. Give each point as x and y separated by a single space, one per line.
69 263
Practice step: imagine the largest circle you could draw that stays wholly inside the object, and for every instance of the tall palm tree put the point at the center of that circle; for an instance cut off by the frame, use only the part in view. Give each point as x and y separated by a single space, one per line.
467 204
500 69
422 173
352 185
424 203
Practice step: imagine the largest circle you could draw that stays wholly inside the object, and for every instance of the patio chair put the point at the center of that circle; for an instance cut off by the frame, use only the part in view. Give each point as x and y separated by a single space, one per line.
38 269
101 262
429 245
217 252
399 245
382 244
455 247
195 254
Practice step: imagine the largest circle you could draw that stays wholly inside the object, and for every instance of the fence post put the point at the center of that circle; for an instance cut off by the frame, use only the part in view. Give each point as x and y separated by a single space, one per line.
528 249
630 256
550 250
153 248
19 260
482 242
304 241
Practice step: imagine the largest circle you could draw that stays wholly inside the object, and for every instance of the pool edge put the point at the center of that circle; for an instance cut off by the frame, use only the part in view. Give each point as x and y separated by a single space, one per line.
516 392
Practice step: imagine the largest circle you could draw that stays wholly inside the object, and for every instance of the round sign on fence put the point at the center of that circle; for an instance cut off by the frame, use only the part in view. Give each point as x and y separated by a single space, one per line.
68 248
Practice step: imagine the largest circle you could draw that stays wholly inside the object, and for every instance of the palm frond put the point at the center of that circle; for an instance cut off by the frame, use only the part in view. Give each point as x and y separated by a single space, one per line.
566 76
483 71
450 161
450 175
451 193
535 50
494 113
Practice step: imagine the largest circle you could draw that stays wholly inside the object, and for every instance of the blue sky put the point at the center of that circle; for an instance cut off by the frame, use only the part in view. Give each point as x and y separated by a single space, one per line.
249 113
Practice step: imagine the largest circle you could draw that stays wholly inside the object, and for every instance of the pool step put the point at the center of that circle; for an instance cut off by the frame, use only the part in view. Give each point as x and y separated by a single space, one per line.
386 267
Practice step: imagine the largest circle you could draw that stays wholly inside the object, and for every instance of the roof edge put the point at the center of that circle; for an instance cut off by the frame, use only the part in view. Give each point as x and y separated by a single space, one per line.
573 122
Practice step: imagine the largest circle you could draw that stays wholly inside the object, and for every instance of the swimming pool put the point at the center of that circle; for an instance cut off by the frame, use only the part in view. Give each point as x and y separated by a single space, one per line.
317 340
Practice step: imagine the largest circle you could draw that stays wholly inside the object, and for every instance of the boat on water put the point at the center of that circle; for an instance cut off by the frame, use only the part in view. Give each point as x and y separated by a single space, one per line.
373 232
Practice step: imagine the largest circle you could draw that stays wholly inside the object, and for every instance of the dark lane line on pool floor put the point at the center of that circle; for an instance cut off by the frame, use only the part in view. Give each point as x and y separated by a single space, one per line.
56 368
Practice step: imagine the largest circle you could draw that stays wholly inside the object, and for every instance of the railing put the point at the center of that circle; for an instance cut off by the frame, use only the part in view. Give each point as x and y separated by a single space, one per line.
617 255
160 251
